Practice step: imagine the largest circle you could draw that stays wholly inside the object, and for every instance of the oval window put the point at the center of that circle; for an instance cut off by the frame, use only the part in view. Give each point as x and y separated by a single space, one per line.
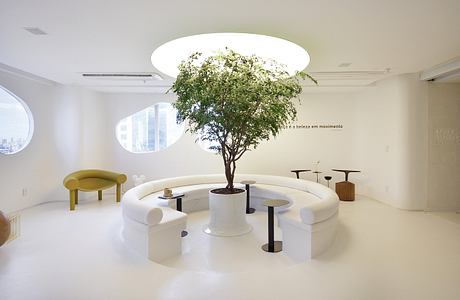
149 130
16 123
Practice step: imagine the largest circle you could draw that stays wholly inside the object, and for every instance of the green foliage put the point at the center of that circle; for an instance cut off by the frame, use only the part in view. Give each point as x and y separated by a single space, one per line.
235 101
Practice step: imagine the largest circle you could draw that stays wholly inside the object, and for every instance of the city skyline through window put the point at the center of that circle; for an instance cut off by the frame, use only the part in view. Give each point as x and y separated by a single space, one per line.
15 123
149 130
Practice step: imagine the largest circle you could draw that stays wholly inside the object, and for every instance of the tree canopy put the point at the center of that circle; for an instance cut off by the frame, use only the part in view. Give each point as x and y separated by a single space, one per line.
235 101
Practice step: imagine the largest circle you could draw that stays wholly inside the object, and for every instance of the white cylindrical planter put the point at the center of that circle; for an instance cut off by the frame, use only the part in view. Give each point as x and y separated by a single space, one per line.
227 214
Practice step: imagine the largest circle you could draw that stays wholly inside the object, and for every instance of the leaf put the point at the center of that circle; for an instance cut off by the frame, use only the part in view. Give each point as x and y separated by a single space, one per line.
235 101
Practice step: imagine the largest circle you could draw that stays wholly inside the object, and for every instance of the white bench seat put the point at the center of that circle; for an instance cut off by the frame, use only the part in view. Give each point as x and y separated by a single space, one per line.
156 242
152 226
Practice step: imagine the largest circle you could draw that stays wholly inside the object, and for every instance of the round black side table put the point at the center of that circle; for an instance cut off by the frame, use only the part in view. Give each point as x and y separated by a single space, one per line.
247 183
328 178
272 245
317 175
299 171
346 172
178 198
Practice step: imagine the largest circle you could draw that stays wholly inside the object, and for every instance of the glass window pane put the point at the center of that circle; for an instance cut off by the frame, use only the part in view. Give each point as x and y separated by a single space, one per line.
16 124
149 130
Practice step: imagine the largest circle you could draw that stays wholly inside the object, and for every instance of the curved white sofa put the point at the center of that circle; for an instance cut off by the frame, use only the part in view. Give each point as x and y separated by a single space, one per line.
152 226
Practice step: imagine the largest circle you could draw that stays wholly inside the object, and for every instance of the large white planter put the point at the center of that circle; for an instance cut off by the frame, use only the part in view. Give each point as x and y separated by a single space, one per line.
227 215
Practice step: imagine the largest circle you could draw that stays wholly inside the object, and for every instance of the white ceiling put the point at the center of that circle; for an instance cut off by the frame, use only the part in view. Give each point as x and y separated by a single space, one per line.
403 36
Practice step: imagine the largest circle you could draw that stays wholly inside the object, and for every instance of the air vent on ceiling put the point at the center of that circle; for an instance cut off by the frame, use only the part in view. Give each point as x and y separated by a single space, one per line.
35 30
123 76
349 74
351 78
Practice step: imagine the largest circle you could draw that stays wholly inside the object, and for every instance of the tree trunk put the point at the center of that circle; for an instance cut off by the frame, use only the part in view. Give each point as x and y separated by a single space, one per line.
229 174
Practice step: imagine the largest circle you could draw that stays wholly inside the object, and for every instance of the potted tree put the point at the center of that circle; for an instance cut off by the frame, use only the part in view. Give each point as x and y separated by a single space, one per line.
234 102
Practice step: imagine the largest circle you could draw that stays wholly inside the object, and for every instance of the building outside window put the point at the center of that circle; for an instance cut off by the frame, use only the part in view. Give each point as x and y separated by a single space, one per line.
149 130
16 123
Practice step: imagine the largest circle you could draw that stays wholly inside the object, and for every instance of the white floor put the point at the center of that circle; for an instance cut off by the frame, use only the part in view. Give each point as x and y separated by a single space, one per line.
380 253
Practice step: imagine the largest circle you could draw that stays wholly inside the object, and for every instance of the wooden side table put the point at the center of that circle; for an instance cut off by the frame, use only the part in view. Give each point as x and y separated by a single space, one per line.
345 189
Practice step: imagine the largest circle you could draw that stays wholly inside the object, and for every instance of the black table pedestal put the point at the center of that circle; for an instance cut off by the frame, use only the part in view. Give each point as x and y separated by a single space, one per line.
272 245
249 209
179 208
247 183
317 175
178 198
277 247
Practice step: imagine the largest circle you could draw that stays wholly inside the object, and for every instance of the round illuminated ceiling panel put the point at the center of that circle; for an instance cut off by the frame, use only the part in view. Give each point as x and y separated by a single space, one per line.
168 56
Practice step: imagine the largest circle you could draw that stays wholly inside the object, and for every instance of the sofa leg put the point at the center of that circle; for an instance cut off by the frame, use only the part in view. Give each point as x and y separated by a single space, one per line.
99 195
72 200
118 192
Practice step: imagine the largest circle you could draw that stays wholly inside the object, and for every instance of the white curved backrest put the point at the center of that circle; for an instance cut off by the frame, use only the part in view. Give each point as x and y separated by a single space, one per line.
151 215
139 210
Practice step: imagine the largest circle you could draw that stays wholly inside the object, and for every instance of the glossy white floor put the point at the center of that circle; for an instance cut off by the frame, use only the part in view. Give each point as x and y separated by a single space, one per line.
380 253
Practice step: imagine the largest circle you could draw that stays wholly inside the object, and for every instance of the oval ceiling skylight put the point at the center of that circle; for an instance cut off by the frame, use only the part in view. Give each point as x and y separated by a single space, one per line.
168 56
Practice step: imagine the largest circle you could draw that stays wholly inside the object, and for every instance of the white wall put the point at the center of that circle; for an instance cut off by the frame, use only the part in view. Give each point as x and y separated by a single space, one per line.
390 143
182 158
444 146
57 147
301 148
293 148
94 131
384 135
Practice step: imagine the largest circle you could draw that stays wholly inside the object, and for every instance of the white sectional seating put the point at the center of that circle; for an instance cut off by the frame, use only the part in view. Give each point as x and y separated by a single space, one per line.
153 227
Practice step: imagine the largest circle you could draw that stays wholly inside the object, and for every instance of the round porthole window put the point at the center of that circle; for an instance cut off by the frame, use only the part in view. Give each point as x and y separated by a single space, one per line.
149 130
16 123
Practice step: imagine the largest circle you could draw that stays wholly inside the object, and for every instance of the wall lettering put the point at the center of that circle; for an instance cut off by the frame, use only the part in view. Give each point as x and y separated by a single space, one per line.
314 126
447 136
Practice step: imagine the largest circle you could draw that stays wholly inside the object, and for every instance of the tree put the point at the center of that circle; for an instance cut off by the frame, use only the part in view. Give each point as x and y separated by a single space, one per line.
235 102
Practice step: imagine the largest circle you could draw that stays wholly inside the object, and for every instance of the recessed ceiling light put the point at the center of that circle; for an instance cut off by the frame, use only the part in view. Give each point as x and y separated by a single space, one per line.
35 30
168 56
344 65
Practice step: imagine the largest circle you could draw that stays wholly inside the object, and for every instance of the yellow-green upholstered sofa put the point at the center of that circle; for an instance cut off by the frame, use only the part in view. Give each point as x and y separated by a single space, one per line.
92 180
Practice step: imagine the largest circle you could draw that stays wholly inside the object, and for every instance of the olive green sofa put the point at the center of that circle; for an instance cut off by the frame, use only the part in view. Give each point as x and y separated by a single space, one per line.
92 180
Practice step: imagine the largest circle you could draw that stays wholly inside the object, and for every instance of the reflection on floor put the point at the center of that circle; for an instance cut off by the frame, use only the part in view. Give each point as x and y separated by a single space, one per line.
203 252
380 253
